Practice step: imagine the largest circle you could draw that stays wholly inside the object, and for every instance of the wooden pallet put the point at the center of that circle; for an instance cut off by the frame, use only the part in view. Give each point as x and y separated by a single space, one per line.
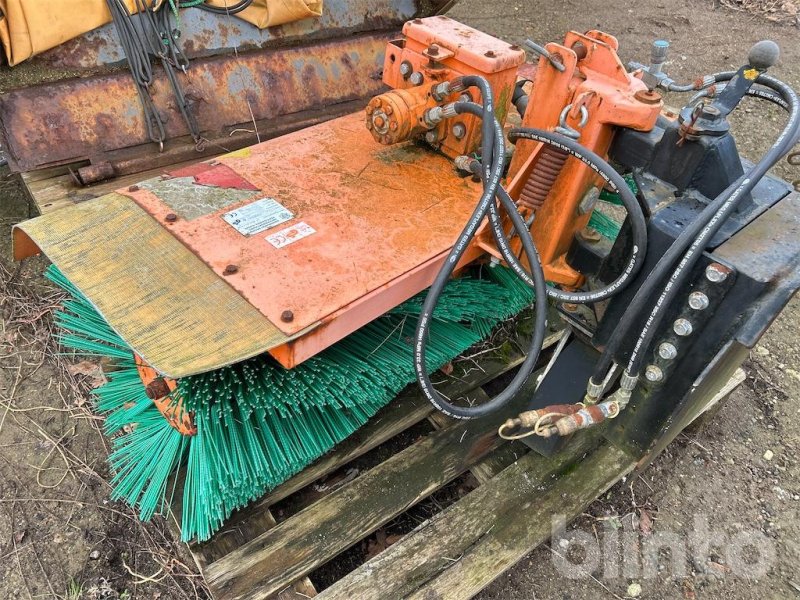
277 546
455 553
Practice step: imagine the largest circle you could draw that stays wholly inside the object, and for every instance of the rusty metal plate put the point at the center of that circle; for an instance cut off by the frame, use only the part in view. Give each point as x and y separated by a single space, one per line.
206 34
366 219
83 118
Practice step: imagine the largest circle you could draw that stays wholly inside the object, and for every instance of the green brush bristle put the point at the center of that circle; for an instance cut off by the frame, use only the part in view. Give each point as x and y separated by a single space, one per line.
258 423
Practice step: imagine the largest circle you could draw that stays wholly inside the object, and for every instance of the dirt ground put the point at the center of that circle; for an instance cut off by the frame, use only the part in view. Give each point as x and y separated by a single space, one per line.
61 536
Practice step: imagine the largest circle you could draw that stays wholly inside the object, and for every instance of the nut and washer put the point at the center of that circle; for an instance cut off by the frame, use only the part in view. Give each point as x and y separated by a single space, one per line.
459 130
682 327
698 301
653 373
667 351
715 273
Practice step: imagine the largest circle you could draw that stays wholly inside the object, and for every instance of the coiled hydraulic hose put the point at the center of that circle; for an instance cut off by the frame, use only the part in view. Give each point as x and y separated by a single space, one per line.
614 180
694 239
493 159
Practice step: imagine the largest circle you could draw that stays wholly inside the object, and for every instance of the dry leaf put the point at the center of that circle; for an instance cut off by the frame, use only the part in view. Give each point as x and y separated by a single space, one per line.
447 368
645 522
89 369
19 536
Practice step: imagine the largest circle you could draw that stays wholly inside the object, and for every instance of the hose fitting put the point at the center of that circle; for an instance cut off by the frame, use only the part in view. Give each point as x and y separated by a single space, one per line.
433 116
440 91
594 391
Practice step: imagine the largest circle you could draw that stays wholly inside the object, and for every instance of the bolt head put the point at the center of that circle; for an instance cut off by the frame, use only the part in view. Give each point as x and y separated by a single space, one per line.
698 301
489 54
431 137
133 188
406 69
170 217
459 130
231 269
682 327
653 373
417 78
287 316
667 351
715 273
433 49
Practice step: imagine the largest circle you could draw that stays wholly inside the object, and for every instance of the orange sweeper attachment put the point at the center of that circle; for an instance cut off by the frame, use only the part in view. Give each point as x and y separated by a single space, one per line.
262 305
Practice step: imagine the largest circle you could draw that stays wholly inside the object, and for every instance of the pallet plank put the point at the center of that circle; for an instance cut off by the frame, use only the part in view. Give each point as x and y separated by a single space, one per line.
507 540
432 547
308 539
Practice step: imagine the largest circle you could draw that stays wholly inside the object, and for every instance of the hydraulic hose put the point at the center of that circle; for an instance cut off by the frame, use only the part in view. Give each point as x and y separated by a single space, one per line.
617 183
493 159
695 237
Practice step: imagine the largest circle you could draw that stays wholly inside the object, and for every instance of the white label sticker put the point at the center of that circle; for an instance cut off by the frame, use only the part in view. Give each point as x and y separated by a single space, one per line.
258 216
287 236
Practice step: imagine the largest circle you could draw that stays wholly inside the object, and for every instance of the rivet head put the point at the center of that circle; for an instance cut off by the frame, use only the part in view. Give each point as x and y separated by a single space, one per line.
682 327
133 188
715 273
287 316
653 373
231 269
667 351
698 301
489 54
170 217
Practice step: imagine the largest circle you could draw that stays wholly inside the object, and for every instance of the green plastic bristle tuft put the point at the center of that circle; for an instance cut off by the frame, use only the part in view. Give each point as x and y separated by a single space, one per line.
258 423
604 225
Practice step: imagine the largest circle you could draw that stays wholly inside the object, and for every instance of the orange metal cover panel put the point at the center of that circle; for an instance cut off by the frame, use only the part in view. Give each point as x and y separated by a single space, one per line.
362 216
482 52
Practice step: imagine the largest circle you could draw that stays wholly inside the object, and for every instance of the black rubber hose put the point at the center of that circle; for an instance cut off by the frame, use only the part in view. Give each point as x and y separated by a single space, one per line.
698 232
745 185
493 158
224 10
615 181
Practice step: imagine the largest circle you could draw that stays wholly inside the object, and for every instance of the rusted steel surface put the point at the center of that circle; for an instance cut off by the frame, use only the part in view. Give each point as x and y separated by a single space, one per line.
84 118
359 205
206 34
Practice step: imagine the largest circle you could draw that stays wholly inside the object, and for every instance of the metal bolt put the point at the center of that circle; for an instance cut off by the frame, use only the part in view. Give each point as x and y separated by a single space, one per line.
171 217
459 130
406 69
287 316
489 54
133 188
698 301
231 269
388 110
667 351
465 97
433 49
653 373
682 327
431 137
569 307
715 274
417 78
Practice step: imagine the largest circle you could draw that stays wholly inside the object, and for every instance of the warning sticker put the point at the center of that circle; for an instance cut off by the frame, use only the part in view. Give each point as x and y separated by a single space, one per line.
258 216
287 236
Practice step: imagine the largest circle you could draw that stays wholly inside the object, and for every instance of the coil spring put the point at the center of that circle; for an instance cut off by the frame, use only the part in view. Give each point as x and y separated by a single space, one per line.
550 164
542 178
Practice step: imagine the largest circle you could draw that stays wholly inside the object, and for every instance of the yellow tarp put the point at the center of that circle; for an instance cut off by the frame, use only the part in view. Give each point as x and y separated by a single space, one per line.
28 27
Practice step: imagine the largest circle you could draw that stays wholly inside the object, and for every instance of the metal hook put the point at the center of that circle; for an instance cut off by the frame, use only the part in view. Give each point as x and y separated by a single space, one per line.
542 51
562 118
